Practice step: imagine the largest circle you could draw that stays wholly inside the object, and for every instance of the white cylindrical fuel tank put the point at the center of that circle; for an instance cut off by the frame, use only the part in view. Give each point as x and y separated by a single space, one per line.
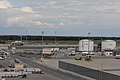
108 45
86 45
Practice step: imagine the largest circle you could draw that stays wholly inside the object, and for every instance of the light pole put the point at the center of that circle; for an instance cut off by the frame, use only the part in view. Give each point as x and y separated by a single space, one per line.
55 37
42 45
26 36
89 42
21 38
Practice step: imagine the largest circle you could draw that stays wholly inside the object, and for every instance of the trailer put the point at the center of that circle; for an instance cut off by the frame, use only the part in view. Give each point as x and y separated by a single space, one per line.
28 70
47 52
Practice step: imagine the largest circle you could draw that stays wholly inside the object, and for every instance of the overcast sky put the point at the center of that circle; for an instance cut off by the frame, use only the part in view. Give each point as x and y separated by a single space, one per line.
66 17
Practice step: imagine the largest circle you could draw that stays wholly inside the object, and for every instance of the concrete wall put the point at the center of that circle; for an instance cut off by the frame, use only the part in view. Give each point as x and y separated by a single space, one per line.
95 74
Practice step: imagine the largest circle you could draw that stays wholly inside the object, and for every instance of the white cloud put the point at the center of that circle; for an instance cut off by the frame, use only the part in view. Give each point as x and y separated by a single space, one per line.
53 2
18 21
102 6
61 24
37 16
65 16
106 8
4 4
39 23
76 14
27 10
27 21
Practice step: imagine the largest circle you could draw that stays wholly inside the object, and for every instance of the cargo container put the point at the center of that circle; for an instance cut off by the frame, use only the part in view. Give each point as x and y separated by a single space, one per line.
86 45
108 45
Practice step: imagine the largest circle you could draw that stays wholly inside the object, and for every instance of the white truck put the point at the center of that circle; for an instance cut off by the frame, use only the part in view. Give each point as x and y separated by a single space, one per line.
47 52
71 51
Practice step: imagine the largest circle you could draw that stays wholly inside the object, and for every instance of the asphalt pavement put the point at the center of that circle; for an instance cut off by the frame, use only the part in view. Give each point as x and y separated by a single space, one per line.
50 73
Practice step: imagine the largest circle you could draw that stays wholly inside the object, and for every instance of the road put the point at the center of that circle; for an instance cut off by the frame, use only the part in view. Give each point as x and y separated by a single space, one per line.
50 73
60 55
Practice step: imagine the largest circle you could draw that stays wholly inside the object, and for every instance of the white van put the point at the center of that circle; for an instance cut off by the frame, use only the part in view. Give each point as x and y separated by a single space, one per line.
108 53
71 51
